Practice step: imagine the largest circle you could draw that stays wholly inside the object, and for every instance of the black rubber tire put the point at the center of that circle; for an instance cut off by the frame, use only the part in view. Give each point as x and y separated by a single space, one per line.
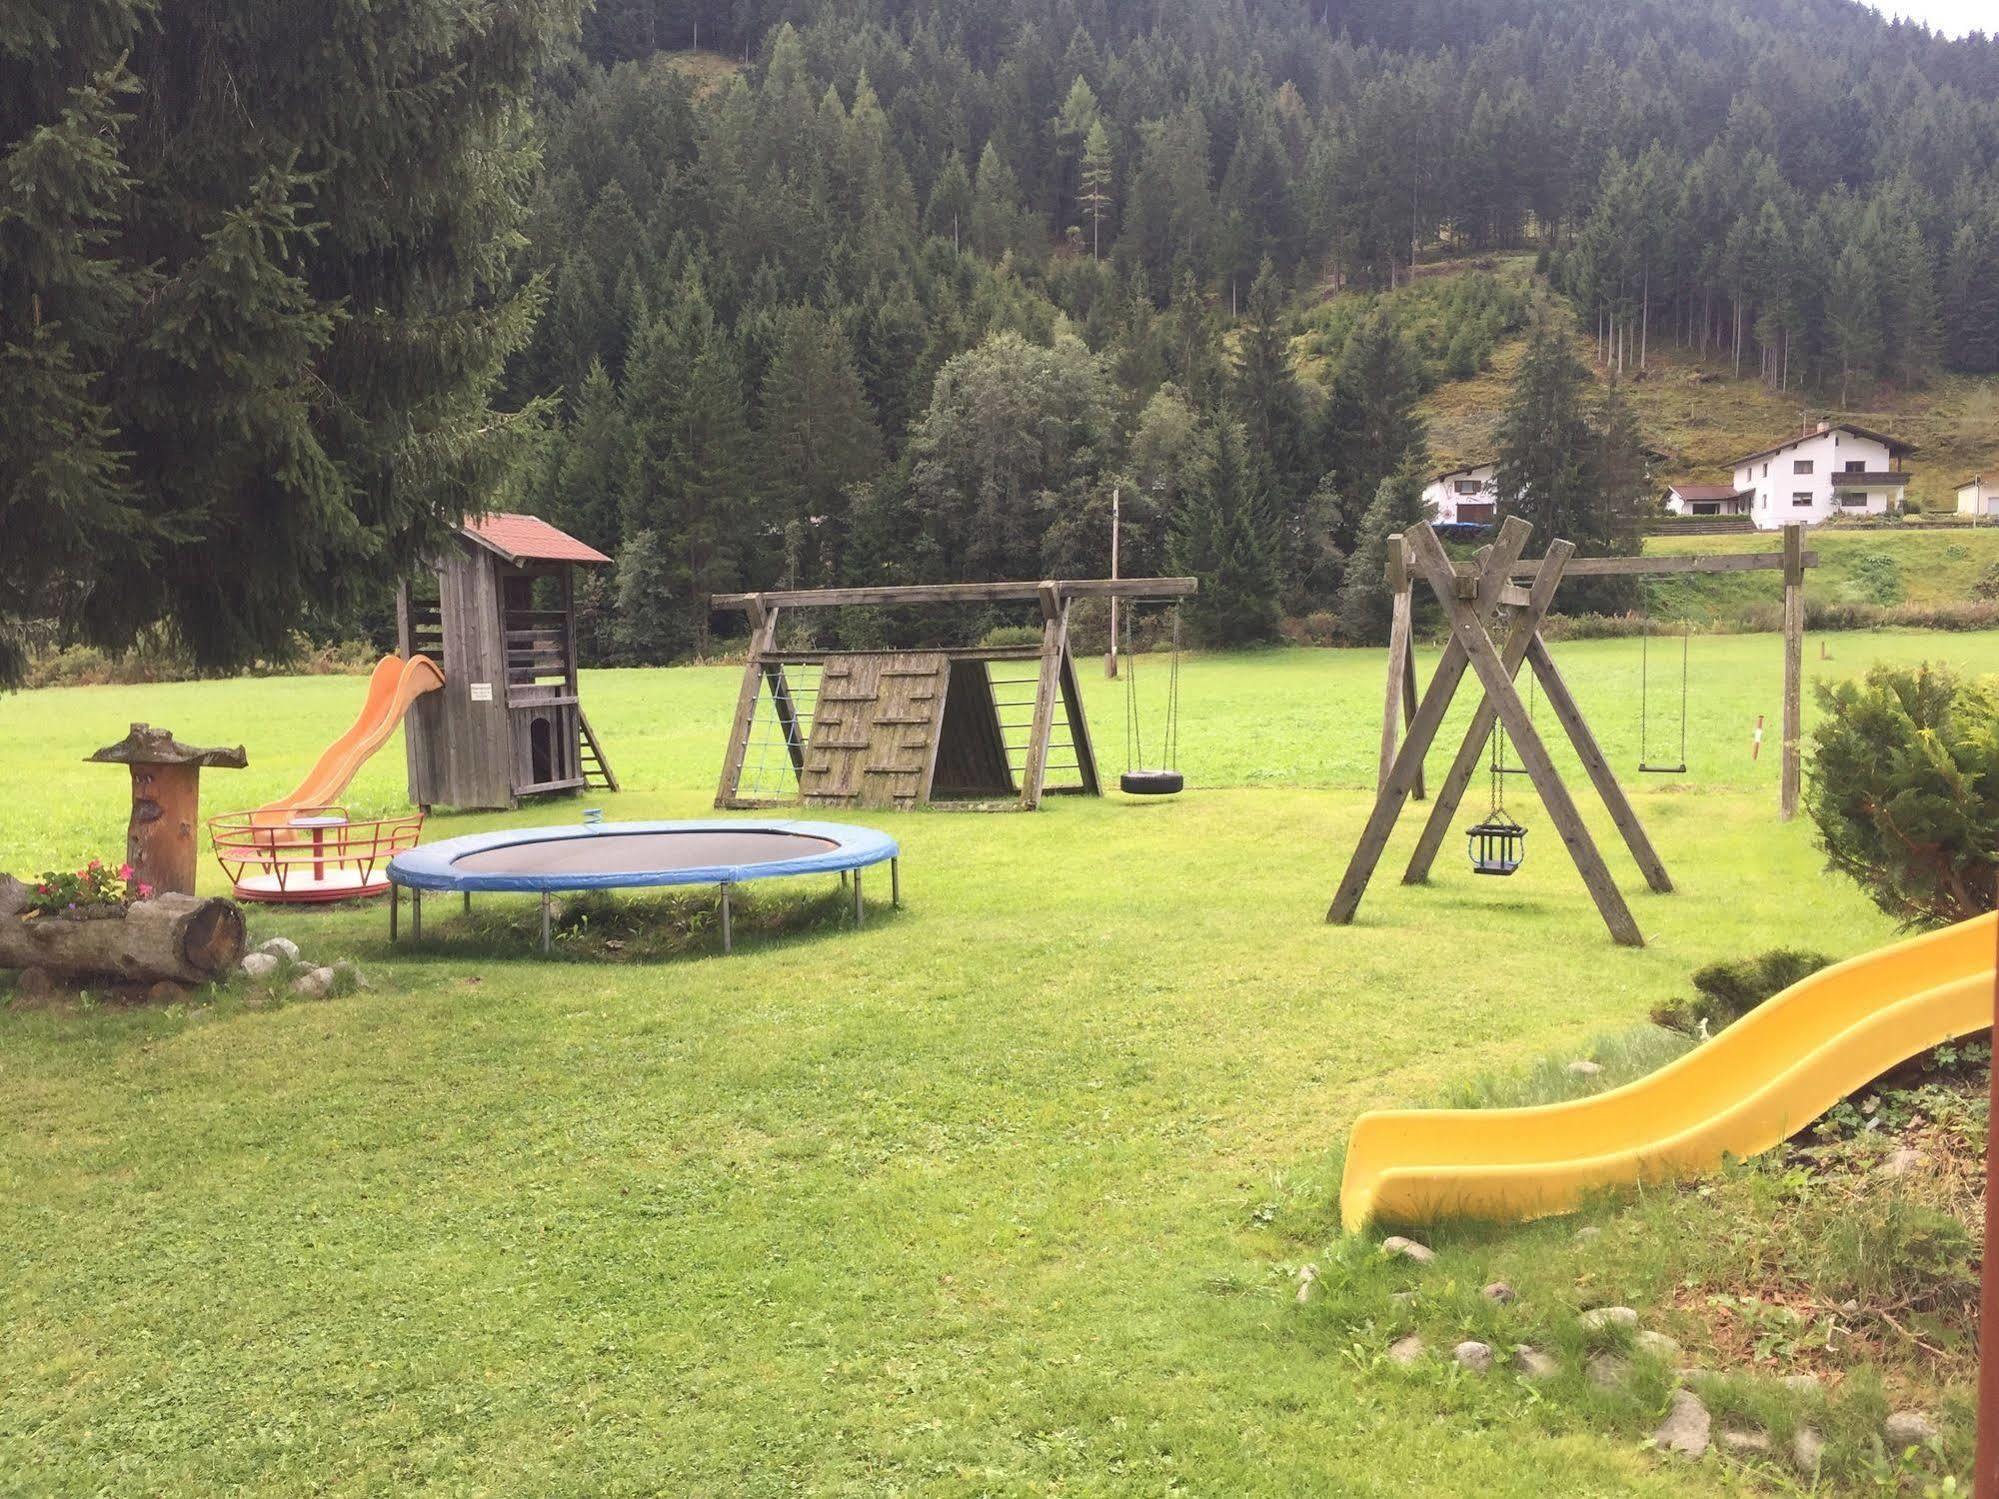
1151 782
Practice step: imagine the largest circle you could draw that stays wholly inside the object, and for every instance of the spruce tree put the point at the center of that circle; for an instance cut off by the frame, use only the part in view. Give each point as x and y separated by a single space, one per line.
1222 534
1095 184
1547 457
1365 604
256 287
1371 428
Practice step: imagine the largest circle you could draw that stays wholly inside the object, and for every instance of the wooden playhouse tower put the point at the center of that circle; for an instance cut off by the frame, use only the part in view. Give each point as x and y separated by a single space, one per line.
498 612
989 724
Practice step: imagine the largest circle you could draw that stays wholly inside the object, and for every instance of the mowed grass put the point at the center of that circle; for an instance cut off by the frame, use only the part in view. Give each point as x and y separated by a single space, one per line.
973 1200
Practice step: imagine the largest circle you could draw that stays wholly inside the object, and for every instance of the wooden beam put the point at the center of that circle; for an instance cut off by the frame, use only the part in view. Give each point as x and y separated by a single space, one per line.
1493 563
1697 562
963 593
1398 645
1791 773
1469 631
1054 646
812 656
1079 724
1570 715
763 632
786 709
1472 749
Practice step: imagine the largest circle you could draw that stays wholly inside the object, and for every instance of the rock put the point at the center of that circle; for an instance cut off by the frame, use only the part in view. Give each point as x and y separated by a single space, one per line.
167 992
280 947
1906 1429
1403 1298
1685 1429
1807 1447
1598 1318
1657 1344
1397 1247
1801 1384
1406 1351
315 984
1745 1444
34 983
258 964
1586 1235
1585 1068
1500 1292
1607 1371
1531 1363
1473 1355
1306 1275
1901 1161
351 973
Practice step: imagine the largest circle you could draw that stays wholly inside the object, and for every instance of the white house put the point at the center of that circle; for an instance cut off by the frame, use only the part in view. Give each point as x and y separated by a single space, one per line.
1979 496
1708 499
1463 496
1837 469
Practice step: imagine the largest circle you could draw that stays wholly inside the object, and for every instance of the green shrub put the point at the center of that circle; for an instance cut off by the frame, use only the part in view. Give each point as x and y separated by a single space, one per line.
1725 992
1878 578
1006 635
1904 789
1986 584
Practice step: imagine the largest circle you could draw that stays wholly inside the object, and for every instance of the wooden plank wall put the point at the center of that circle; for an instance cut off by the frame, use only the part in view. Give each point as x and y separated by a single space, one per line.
875 730
971 751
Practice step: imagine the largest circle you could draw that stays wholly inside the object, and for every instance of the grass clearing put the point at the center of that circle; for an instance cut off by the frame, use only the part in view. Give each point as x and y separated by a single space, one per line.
997 1194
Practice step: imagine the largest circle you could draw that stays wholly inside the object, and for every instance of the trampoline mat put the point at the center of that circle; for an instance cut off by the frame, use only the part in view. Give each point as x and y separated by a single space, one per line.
643 853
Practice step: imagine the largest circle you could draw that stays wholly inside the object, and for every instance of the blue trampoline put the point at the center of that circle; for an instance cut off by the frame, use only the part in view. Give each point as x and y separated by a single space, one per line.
633 855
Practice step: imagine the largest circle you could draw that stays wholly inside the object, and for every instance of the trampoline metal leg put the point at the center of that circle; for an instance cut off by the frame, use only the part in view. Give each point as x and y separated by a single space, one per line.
895 884
545 903
468 902
858 908
728 937
395 908
416 914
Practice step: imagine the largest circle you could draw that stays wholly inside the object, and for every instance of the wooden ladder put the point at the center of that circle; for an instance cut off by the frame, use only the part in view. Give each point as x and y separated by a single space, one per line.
597 772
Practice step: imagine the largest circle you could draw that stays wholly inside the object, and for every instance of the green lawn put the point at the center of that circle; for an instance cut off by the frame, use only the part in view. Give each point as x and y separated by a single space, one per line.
971 1201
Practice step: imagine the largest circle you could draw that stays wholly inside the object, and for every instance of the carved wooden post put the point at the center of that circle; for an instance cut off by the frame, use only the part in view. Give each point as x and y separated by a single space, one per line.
163 836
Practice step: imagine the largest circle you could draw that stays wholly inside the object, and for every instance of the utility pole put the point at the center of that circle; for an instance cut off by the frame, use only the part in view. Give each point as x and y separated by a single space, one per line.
1110 656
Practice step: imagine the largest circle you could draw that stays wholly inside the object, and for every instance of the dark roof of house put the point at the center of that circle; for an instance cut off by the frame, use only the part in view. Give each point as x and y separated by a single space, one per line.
529 538
1894 445
1971 479
1452 473
1707 491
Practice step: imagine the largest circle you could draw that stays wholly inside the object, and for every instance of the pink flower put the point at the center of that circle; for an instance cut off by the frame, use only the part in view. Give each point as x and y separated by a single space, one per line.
145 892
95 863
124 871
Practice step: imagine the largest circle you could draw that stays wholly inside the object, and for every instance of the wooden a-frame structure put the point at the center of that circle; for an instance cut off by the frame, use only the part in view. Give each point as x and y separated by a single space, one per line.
905 728
1471 596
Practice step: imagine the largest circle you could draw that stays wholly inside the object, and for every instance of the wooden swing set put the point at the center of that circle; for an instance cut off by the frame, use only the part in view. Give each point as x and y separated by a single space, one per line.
1472 596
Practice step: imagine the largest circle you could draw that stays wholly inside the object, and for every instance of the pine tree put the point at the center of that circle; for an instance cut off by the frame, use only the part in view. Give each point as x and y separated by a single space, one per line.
994 227
1222 534
1552 451
1365 604
1371 427
1853 317
817 436
1971 297
1095 184
250 331
950 208
1268 398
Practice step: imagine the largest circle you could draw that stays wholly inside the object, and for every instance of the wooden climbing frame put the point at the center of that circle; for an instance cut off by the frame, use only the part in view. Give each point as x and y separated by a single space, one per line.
904 728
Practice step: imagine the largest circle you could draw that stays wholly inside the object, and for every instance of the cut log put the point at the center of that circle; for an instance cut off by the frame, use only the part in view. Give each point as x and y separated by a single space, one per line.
182 938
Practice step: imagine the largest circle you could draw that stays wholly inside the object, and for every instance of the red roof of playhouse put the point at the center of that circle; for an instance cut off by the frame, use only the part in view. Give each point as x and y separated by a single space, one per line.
528 538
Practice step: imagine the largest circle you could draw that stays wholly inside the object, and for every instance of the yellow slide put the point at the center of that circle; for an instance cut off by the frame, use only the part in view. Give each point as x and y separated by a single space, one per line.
392 687
1751 1087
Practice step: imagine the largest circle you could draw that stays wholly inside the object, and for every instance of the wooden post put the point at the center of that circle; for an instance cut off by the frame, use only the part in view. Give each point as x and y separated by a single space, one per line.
1471 751
1079 724
1398 642
1054 645
1493 566
763 637
1794 670
1470 631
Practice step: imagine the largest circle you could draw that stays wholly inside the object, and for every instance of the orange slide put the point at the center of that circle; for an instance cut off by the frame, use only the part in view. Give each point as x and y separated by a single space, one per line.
392 687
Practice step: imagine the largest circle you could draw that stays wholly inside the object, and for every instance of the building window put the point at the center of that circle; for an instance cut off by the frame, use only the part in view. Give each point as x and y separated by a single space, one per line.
1852 497
1801 497
1801 465
1469 486
1856 465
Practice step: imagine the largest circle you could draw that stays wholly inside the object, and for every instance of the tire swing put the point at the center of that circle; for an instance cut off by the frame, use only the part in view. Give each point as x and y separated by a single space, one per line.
1498 844
1164 779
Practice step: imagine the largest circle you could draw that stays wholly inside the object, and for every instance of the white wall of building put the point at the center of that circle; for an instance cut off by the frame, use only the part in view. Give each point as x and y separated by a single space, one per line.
1980 497
1475 486
1784 495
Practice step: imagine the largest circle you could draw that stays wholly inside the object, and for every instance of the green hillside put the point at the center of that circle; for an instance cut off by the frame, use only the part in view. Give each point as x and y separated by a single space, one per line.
1698 416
